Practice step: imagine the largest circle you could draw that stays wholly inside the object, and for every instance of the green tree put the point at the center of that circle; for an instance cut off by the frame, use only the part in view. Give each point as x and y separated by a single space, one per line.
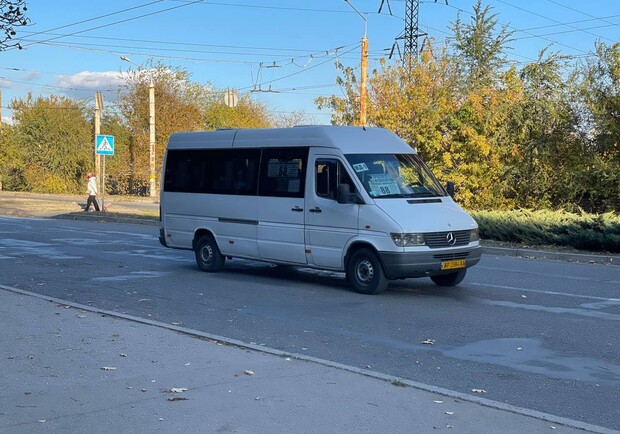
176 109
120 166
53 144
345 110
246 114
599 92
480 47
547 154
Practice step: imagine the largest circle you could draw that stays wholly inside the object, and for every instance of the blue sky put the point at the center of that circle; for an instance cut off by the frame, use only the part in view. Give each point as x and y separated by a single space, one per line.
282 51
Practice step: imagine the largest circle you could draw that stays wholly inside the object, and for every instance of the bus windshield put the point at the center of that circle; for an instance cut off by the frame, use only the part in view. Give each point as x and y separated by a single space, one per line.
395 175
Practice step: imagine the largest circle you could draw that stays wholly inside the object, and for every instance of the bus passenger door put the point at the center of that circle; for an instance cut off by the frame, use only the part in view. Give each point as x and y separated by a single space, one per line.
329 224
281 205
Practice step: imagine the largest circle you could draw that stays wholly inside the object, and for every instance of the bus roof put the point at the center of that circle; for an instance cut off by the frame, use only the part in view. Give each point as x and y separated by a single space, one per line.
350 140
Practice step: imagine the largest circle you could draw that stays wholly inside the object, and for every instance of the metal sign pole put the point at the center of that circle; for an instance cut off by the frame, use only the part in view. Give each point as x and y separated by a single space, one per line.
103 187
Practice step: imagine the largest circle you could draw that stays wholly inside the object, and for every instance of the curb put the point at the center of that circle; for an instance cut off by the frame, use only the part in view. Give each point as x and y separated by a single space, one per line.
557 256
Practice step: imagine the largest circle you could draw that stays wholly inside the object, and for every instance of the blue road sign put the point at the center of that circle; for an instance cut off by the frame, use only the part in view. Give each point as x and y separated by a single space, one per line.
104 145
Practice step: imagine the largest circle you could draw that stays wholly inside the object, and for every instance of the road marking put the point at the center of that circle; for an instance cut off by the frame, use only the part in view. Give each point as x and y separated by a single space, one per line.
550 309
530 273
35 248
539 291
132 276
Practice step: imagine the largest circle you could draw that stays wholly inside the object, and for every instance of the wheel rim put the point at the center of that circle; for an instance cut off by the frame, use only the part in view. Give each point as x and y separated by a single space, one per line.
364 272
206 254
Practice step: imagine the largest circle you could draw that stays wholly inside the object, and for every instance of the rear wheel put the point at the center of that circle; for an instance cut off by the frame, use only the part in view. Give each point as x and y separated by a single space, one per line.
450 279
208 256
365 273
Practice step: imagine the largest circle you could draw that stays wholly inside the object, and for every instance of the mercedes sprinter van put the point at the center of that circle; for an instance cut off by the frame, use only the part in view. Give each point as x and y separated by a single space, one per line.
352 199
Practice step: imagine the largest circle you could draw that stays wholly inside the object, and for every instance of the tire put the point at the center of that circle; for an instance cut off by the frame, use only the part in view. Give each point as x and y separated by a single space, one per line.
208 256
365 273
450 279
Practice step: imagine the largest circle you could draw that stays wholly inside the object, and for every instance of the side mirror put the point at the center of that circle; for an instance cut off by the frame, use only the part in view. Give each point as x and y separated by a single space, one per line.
450 188
345 195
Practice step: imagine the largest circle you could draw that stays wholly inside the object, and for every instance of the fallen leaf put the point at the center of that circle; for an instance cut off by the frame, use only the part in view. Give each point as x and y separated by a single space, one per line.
178 389
248 372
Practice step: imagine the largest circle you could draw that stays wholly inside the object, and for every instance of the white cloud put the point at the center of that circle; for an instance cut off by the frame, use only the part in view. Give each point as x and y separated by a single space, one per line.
6 120
87 80
84 84
31 76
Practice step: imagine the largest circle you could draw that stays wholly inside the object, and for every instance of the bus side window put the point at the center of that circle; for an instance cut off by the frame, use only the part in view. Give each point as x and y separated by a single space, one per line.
282 172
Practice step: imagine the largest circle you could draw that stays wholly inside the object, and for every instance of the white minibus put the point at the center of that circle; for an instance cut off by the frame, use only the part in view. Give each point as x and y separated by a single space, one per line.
352 199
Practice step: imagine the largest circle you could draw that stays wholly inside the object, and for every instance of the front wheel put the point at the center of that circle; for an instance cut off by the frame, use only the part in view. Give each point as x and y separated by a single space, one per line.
208 256
365 273
450 279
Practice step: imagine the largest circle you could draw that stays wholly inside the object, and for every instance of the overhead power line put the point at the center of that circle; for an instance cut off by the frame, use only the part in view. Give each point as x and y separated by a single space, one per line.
114 23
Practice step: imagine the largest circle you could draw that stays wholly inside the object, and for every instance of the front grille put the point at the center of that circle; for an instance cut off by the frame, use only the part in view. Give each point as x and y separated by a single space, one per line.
448 256
436 240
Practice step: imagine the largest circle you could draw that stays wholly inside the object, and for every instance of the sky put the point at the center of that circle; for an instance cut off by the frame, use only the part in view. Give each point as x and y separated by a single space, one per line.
280 52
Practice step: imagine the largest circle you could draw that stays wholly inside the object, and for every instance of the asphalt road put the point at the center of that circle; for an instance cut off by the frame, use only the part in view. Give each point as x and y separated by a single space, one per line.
537 334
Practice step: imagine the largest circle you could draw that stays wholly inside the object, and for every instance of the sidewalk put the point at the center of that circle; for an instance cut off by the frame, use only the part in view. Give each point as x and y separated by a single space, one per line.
75 369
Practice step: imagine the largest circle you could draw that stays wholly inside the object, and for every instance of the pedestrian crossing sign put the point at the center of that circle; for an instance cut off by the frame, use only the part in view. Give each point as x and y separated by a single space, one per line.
104 145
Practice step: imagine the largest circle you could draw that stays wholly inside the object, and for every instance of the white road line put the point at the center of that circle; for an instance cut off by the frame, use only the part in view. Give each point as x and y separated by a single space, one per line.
539 291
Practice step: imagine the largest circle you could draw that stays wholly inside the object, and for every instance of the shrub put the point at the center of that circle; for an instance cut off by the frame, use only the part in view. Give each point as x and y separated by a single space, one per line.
598 232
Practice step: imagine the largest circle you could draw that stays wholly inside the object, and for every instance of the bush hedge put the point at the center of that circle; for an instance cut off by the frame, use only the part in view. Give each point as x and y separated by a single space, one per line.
596 232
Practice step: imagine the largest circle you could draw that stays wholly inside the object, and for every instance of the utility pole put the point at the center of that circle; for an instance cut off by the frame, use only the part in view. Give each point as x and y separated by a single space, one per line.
151 138
364 67
98 108
363 96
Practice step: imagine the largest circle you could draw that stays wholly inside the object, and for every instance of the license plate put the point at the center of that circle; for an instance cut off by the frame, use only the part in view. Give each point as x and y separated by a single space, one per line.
456 263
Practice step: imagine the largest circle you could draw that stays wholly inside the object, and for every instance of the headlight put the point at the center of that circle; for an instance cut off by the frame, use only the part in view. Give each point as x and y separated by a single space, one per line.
474 235
407 240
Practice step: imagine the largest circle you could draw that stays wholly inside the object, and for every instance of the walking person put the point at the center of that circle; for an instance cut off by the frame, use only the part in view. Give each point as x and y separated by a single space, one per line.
92 192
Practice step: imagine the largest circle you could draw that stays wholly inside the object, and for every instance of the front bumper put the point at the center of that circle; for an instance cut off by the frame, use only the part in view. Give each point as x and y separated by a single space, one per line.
400 265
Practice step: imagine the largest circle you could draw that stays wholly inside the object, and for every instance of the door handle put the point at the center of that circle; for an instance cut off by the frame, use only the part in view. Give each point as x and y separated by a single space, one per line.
297 209
315 209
